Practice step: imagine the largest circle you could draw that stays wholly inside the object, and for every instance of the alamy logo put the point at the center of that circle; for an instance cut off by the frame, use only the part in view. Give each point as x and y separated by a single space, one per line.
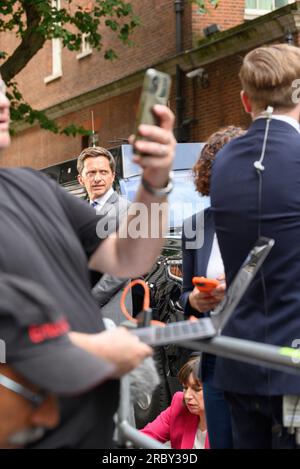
149 222
296 92
2 351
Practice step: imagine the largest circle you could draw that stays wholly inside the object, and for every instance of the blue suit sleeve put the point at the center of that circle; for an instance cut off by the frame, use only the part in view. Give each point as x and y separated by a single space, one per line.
188 263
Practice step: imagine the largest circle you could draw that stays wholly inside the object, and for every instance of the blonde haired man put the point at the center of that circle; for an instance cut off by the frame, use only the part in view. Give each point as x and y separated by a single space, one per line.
260 172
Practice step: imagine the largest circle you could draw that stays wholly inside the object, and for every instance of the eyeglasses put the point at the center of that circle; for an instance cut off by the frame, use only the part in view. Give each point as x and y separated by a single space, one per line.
2 86
34 398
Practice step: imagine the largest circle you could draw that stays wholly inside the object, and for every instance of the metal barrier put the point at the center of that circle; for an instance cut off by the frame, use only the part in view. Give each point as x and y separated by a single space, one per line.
284 359
128 435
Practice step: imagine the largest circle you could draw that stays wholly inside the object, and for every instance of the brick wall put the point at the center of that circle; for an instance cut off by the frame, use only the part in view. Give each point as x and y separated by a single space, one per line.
208 109
113 119
211 108
228 14
219 104
154 40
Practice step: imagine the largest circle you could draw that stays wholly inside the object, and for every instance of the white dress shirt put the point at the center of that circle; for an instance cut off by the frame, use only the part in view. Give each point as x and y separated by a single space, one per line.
215 266
199 442
102 200
287 119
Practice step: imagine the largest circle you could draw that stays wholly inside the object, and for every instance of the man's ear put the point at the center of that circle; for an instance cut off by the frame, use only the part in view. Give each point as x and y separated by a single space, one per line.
246 102
80 180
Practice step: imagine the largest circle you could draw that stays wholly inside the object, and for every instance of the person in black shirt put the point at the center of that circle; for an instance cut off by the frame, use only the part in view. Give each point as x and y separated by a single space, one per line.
49 237
38 350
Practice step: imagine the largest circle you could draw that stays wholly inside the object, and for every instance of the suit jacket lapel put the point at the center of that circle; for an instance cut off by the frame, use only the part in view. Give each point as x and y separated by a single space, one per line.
112 199
107 207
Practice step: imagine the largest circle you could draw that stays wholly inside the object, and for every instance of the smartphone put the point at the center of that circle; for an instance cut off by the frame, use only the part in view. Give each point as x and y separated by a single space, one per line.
204 284
156 90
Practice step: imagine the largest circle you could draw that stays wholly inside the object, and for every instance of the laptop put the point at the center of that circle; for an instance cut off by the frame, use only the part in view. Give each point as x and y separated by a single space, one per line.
206 328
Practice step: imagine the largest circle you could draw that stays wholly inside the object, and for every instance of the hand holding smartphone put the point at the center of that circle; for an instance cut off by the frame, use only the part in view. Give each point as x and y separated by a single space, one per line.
205 285
154 142
156 90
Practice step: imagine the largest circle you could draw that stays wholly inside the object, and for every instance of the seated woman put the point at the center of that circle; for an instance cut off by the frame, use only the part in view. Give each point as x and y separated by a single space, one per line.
183 423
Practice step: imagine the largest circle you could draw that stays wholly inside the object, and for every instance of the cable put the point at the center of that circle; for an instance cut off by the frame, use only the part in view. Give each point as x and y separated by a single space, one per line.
268 115
258 165
146 303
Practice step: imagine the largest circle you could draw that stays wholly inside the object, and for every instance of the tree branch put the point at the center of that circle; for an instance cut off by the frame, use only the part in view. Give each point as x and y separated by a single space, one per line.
32 41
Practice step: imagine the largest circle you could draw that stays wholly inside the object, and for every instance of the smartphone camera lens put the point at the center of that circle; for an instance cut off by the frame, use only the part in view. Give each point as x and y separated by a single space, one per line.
163 89
154 85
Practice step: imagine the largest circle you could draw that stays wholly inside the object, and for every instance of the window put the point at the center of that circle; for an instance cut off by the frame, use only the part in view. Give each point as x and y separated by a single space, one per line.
256 8
56 53
86 48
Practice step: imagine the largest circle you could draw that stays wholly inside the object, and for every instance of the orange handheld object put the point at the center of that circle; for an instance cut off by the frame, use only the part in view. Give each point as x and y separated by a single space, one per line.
205 284
146 303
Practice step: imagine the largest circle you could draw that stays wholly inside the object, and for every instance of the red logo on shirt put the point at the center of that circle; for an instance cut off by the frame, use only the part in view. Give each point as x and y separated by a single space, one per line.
42 332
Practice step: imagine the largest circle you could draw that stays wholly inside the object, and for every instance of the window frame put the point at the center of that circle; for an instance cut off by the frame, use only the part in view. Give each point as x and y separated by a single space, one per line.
252 13
56 53
86 48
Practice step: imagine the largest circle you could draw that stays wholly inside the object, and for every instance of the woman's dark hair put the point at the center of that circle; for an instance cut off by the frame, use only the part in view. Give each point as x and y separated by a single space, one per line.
191 367
202 169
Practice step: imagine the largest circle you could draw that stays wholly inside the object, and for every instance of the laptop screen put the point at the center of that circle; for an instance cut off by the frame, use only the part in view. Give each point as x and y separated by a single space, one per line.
206 328
241 282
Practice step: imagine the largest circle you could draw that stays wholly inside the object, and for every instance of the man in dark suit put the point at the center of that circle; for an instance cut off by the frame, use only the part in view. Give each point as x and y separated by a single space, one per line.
255 191
96 173
96 167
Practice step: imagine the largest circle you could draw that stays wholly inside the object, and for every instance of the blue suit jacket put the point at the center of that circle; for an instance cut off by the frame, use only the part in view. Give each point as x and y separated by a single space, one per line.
274 319
194 263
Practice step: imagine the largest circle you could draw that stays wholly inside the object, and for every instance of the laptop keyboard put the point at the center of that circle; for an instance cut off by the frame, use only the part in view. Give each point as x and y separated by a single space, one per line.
176 332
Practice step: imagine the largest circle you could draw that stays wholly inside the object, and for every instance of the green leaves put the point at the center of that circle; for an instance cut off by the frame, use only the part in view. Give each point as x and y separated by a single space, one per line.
39 15
20 111
73 130
202 4
36 21
110 55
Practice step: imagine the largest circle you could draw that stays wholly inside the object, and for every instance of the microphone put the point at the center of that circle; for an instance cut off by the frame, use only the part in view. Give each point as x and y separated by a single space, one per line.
268 114
258 165
143 380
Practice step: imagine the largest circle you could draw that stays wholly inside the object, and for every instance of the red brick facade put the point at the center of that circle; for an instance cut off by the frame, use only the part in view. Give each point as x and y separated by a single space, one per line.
209 107
228 14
